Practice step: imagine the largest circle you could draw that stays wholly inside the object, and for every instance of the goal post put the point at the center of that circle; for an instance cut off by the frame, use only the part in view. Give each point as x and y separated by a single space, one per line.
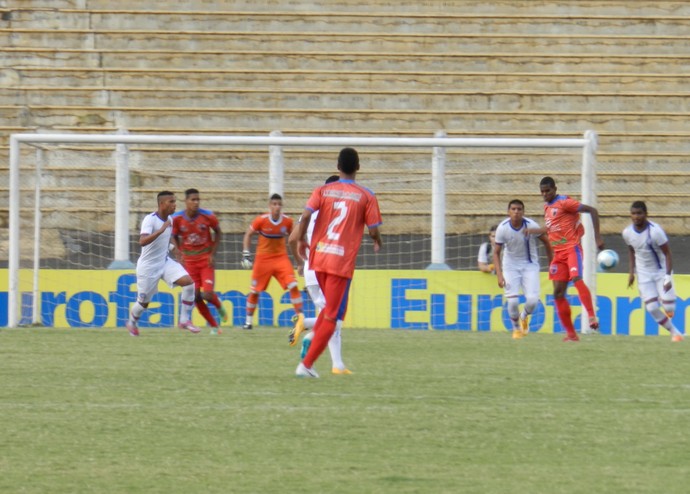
433 174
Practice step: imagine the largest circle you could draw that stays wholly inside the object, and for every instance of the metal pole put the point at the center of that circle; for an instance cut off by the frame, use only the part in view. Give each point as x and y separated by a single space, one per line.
438 206
121 260
276 170
589 197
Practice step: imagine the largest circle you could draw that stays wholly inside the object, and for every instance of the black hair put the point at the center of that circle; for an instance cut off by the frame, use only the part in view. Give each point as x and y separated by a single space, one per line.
639 205
189 192
547 181
332 178
516 201
162 194
276 197
348 161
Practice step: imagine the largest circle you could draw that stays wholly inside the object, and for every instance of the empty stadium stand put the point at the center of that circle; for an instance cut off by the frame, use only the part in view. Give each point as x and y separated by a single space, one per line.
377 67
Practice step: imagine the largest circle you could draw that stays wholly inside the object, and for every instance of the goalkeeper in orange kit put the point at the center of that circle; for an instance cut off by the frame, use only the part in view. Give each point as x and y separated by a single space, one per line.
271 259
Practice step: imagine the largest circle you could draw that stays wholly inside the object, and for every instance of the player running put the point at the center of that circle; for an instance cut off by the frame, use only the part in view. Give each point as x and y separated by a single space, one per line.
154 264
344 209
196 233
562 218
519 267
650 257
315 293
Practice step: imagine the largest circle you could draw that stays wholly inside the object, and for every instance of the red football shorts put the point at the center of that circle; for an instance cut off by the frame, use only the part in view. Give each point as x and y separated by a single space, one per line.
566 264
335 290
203 274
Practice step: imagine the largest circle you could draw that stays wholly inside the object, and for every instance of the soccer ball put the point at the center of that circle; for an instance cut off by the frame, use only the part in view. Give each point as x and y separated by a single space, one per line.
607 259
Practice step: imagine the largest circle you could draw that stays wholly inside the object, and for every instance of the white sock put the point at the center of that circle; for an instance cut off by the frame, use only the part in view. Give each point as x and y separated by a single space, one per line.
187 303
309 322
135 314
514 311
334 345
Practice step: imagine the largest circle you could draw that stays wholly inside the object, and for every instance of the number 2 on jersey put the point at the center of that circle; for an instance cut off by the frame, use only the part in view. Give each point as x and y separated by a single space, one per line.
341 207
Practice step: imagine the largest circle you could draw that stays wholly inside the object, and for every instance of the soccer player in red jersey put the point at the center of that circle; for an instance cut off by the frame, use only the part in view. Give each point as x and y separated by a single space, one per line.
271 259
344 209
562 219
197 234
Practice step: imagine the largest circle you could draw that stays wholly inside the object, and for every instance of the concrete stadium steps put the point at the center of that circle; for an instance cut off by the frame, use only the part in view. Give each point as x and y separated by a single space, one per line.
12 117
404 211
72 77
439 42
326 18
345 120
422 7
364 67
365 100
429 61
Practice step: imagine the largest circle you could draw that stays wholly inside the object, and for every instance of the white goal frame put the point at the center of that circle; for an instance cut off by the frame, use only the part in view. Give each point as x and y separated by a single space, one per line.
275 141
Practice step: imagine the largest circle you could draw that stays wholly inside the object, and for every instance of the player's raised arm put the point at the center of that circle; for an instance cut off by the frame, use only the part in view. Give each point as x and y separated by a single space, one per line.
145 239
542 230
594 213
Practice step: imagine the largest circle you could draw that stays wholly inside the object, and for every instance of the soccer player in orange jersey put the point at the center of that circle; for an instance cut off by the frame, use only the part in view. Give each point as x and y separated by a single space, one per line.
562 218
344 207
196 233
271 259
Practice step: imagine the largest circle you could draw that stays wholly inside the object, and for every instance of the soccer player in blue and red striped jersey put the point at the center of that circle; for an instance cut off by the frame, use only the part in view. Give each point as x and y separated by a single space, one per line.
197 234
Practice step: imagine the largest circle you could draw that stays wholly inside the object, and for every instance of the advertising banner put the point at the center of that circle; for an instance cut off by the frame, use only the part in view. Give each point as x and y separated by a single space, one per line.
418 300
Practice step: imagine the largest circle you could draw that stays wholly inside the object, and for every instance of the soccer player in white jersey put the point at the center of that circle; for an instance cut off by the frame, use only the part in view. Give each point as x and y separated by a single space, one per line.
519 267
650 256
315 293
154 264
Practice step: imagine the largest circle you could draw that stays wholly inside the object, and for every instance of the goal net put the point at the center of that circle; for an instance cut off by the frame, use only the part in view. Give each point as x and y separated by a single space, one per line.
77 201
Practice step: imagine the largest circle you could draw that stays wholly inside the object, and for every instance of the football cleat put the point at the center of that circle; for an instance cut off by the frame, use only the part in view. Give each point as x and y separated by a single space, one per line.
341 372
298 320
594 324
216 331
189 327
132 328
524 325
517 334
306 342
677 337
571 338
247 326
223 314
304 371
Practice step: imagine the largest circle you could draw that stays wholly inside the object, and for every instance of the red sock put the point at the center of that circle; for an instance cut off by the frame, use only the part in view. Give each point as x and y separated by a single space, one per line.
563 310
323 330
203 310
585 297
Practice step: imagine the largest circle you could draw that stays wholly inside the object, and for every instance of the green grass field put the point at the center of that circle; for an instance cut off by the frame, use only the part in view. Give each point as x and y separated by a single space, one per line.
428 412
